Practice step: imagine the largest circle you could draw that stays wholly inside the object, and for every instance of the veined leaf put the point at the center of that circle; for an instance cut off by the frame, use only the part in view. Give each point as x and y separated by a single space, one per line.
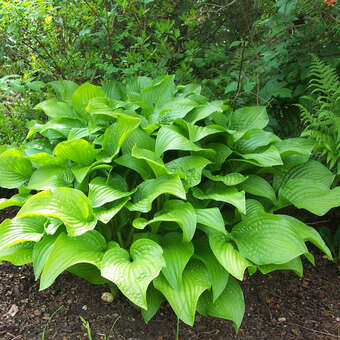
68 251
138 165
102 191
310 195
64 89
218 275
152 188
77 150
170 137
267 239
230 304
88 272
191 166
54 108
177 254
46 159
258 186
252 117
174 211
15 169
133 277
204 111
82 95
211 217
227 255
222 193
295 265
230 179
116 134
138 138
18 254
106 213
50 177
80 172
184 299
19 230
66 204
15 201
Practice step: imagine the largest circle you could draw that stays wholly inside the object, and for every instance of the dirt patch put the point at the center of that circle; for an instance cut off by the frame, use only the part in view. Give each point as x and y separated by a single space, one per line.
278 306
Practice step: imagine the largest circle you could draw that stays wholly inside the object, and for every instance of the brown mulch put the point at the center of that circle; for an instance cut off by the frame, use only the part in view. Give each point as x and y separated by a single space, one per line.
278 306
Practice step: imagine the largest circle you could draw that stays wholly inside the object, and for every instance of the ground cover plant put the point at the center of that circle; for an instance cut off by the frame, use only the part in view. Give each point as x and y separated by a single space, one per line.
152 189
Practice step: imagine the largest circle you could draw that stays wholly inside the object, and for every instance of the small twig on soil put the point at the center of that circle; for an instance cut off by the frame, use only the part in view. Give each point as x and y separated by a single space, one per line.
315 331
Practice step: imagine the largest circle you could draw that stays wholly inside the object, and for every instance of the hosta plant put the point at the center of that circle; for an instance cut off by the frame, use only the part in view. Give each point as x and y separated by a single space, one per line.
151 188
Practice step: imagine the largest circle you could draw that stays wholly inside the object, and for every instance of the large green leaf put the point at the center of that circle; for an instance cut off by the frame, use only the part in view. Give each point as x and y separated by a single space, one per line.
133 276
258 186
227 255
54 108
295 265
82 95
230 305
88 272
191 166
177 254
267 239
154 299
76 150
50 177
204 111
139 138
310 195
64 89
174 211
218 275
102 190
20 230
211 217
170 137
18 254
222 193
68 251
116 134
152 188
66 204
138 165
80 172
108 211
246 118
15 169
229 179
184 299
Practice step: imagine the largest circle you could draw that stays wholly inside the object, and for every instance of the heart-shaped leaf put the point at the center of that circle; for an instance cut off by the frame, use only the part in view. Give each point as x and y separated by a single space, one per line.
133 276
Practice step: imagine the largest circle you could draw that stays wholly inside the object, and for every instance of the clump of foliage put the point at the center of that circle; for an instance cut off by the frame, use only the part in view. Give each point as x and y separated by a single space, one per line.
150 187
322 117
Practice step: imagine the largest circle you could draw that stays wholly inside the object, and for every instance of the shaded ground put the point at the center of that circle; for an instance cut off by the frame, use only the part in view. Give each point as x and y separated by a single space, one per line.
278 306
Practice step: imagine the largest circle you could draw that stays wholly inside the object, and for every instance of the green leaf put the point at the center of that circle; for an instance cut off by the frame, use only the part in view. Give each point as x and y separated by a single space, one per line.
267 239
218 275
230 305
20 230
252 117
116 134
258 186
211 217
133 276
88 272
15 169
68 251
227 255
295 265
64 89
140 139
80 172
177 254
150 189
268 158
54 108
184 299
154 299
222 193
106 213
204 111
171 138
82 95
18 254
310 195
102 190
154 162
50 177
66 204
191 166
77 150
41 251
174 211
113 89
230 179
137 165
15 201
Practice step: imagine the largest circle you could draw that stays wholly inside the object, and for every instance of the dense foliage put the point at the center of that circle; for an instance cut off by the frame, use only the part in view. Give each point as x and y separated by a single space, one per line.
154 189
